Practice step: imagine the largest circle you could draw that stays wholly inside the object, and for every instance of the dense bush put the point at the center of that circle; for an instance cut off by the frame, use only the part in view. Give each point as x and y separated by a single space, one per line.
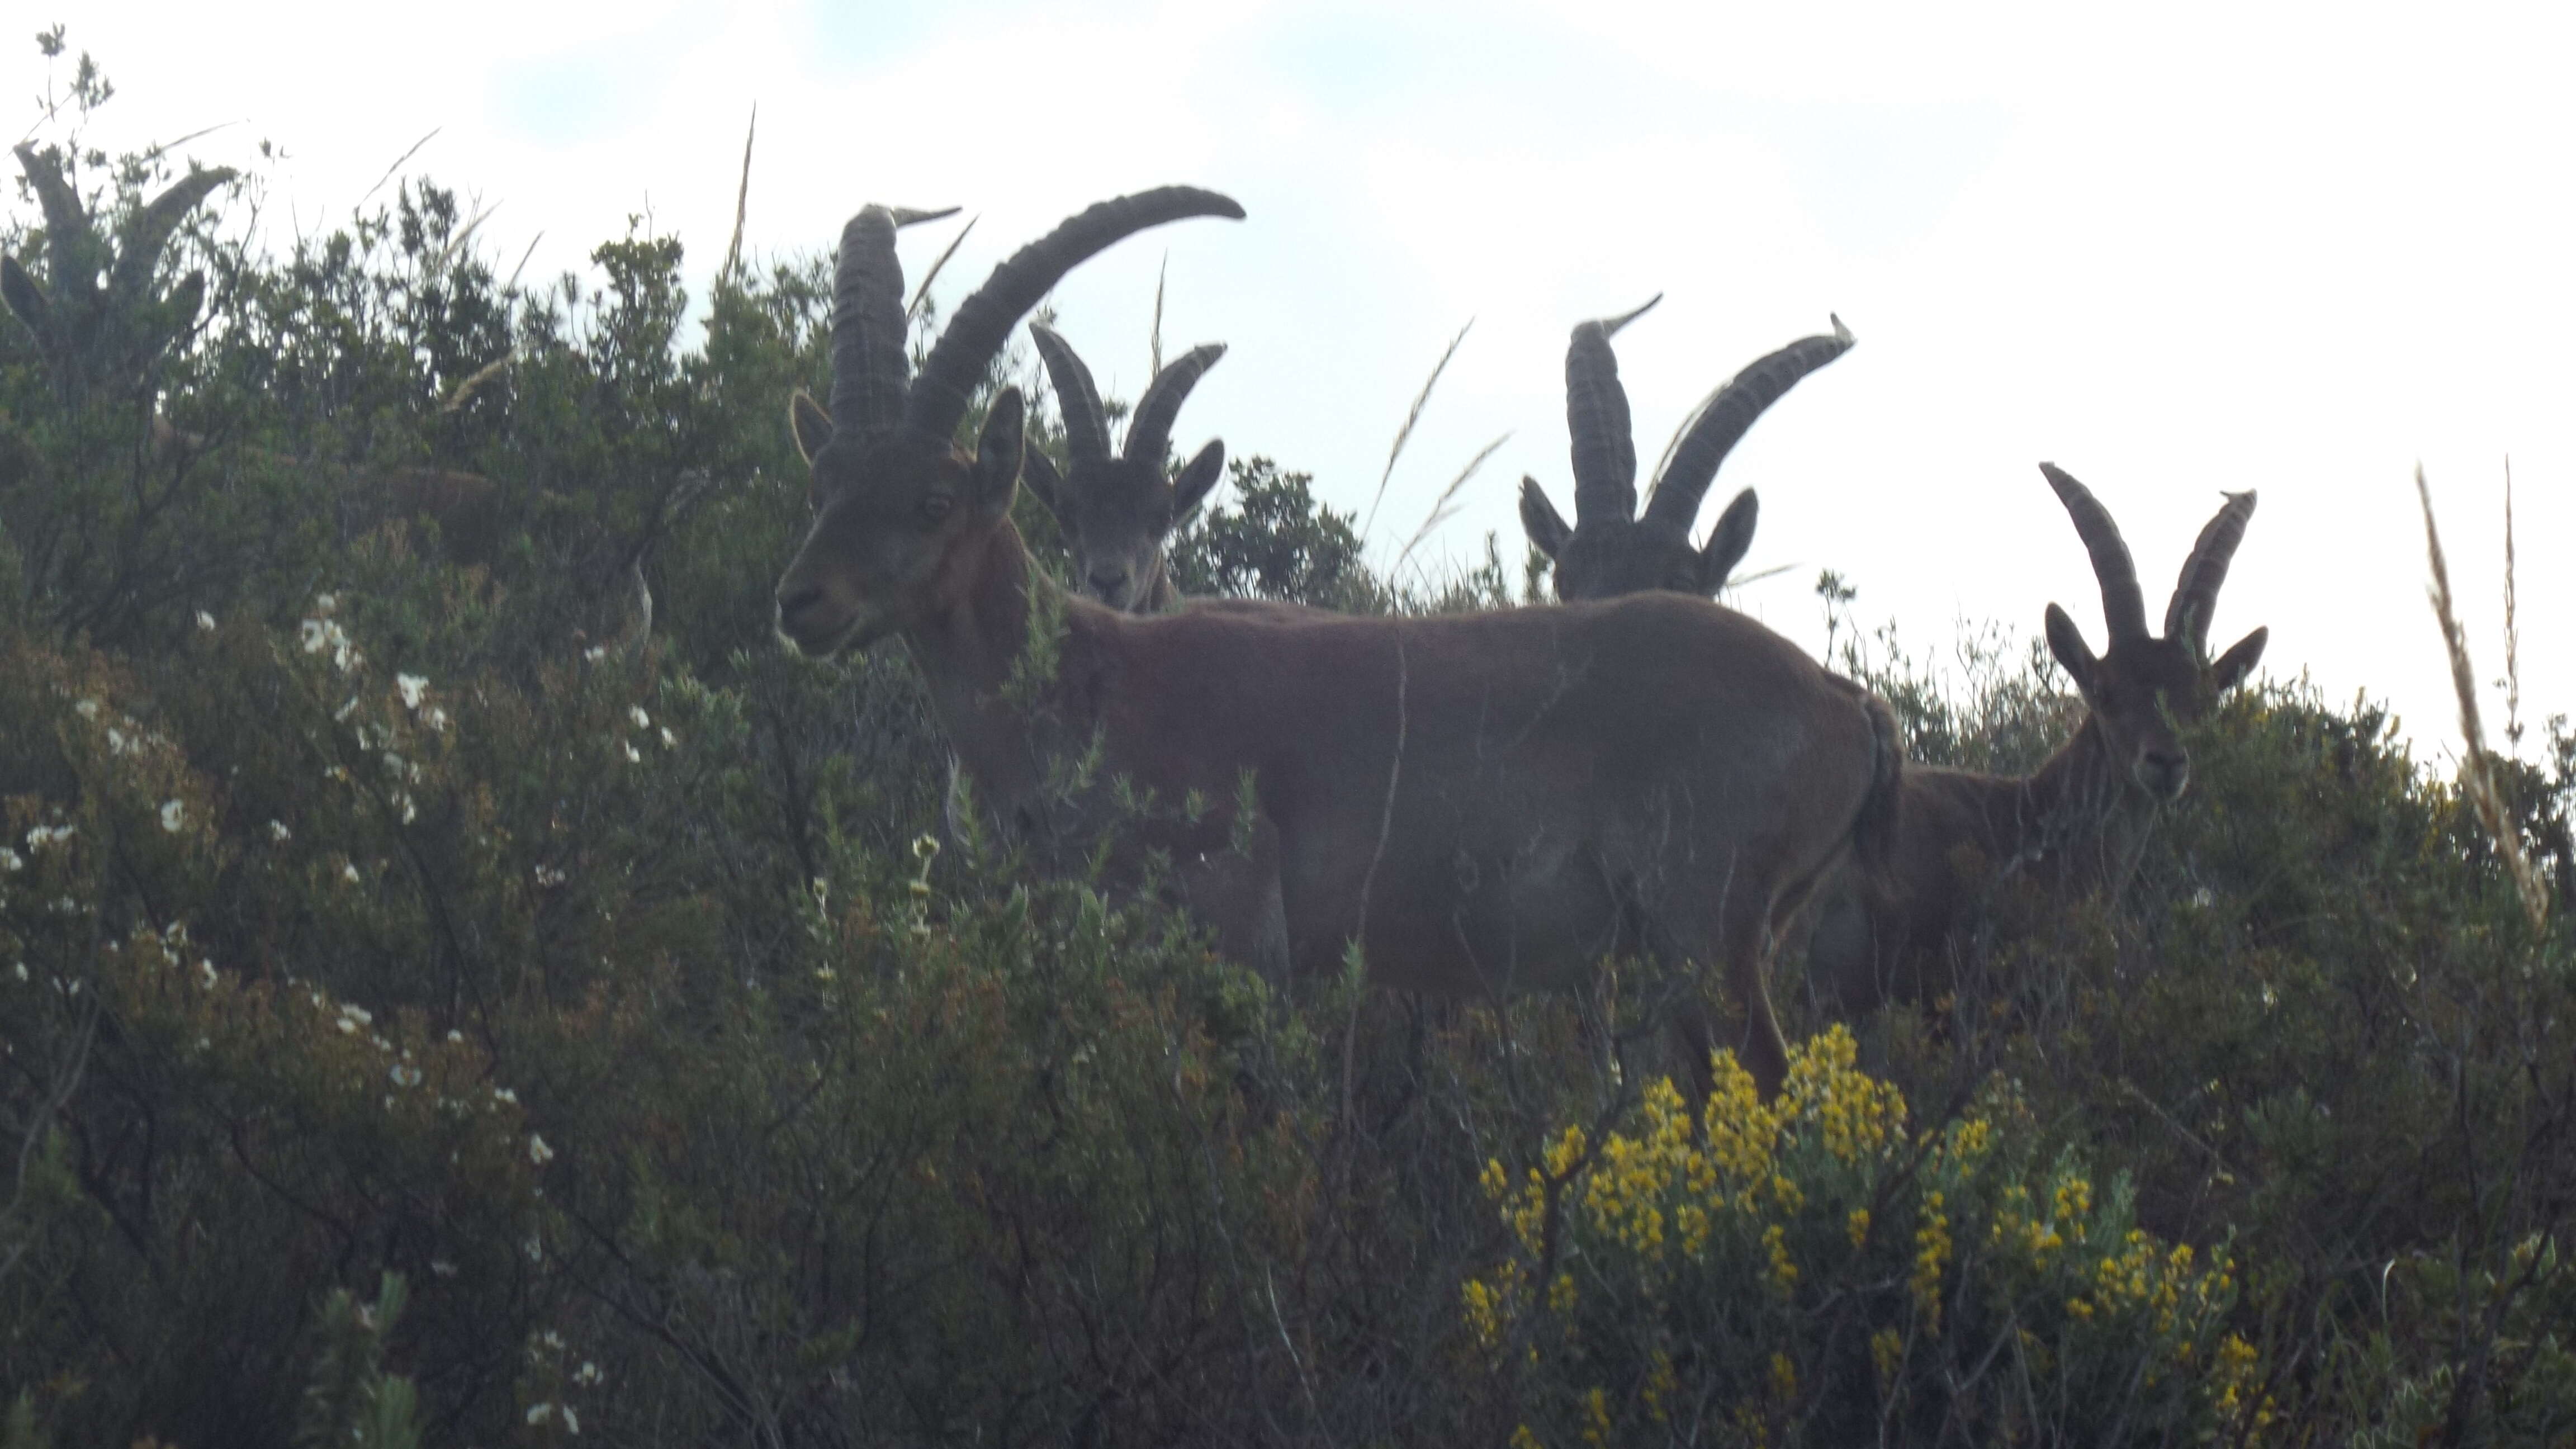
461 983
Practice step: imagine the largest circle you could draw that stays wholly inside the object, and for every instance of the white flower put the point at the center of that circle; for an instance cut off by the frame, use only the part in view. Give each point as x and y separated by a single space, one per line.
347 1027
442 1267
404 1076
40 836
310 634
117 743
670 741
393 763
538 1152
551 1339
349 1011
454 1035
87 709
207 967
505 1094
174 813
636 713
410 812
411 686
633 756
539 1413
349 872
325 603
205 621
277 831
587 1375
10 861
572 1421
549 877
437 718
595 653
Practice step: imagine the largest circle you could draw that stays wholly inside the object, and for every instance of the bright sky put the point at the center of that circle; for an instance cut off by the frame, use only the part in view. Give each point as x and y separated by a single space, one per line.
2175 250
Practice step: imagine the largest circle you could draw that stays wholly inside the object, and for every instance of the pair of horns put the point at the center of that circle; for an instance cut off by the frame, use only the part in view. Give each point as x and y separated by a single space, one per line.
2195 595
1086 422
872 389
1605 452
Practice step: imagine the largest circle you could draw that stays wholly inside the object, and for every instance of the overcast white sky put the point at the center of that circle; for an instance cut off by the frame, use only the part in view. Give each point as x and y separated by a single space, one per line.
2174 249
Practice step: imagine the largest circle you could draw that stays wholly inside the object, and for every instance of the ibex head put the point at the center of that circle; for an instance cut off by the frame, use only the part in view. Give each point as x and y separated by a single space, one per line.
1609 550
100 328
1116 508
2143 690
902 514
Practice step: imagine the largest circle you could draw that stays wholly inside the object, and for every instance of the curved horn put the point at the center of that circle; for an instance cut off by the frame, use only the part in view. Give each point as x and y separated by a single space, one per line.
868 364
2195 596
1086 423
139 253
976 330
1596 417
1149 434
1721 422
2124 609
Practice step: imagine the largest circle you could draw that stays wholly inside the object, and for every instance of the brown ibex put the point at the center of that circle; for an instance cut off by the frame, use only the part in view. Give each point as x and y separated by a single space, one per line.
1609 551
1478 802
2076 825
1116 508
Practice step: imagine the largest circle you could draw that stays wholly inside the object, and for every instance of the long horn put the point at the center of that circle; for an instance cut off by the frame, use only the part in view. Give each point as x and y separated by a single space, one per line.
2195 595
868 366
2124 609
1149 436
1596 417
1690 465
1086 422
139 252
946 385
67 226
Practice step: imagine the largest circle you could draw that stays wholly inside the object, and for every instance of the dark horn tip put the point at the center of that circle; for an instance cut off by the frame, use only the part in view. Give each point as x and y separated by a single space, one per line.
2059 478
1610 325
911 216
1842 334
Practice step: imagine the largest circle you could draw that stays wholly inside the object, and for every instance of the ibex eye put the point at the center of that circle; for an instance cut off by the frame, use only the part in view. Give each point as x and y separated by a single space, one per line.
936 506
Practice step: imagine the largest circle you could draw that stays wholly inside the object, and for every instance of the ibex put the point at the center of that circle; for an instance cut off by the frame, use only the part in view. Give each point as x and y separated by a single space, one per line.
2076 825
1116 508
101 329
1609 551
1478 802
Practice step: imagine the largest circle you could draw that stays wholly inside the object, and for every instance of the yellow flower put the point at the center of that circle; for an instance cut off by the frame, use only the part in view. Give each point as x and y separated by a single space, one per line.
1858 1227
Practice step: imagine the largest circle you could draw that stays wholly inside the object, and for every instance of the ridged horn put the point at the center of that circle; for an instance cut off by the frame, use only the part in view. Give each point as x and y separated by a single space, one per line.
868 365
139 253
1086 422
2195 595
1149 435
1721 422
1596 418
946 385
2124 609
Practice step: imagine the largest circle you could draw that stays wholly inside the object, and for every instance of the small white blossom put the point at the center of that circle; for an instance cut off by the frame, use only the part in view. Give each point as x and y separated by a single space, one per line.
636 713
633 756
353 1012
410 812
208 967
347 1027
538 1152
587 1375
551 1339
540 1413
595 653
10 861
411 686
442 1267
436 718
40 836
87 709
670 741
454 1035
277 831
572 1421
117 743
205 621
505 1094
404 1076
174 813
349 872
325 603
535 1250
549 877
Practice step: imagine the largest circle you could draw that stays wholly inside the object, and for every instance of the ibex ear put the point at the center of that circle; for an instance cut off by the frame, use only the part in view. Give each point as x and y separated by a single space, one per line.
23 296
2238 661
999 451
1037 470
186 299
2073 654
812 425
1540 520
1728 542
1190 489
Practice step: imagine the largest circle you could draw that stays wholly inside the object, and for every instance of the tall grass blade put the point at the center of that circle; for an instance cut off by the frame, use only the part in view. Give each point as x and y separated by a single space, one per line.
913 308
1445 507
1412 415
741 203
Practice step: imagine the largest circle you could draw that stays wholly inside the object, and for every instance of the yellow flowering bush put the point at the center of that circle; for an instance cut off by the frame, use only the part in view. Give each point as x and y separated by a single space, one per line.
1818 1269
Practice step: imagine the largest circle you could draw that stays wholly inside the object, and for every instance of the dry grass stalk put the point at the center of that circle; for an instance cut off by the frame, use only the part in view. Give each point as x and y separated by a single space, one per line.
741 202
912 308
1412 416
464 391
512 285
1446 506
1154 367
2477 767
2512 628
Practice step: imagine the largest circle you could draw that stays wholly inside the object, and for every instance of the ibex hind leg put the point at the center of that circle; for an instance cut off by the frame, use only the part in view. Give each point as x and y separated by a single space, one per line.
1237 893
1736 938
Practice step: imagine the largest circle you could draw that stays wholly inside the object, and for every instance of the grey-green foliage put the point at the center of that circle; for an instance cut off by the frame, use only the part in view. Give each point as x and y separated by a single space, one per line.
351 1400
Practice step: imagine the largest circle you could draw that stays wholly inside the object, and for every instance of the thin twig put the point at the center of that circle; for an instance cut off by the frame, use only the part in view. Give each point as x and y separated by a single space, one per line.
1155 342
918 293
513 283
398 162
741 202
2477 777
1412 415
1445 507
2512 629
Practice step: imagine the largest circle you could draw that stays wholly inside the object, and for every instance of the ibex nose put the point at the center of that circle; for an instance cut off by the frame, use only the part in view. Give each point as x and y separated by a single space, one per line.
1109 585
795 602
2164 773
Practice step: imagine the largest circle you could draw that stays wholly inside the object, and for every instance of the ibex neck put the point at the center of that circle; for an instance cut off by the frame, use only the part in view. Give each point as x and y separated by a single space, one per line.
967 643
2085 813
